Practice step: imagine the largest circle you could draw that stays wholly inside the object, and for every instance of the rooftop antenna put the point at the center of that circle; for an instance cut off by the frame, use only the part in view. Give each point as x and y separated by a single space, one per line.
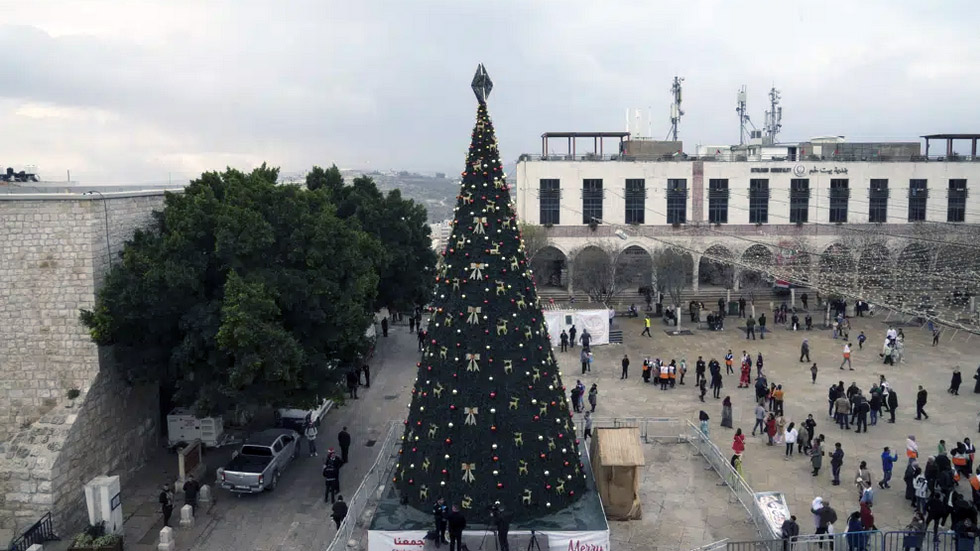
675 108
774 116
743 114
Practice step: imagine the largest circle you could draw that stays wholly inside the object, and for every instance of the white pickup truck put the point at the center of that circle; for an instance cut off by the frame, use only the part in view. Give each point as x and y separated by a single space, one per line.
259 463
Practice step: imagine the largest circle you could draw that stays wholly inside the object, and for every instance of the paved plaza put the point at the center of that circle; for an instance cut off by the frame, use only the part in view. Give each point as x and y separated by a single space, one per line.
951 417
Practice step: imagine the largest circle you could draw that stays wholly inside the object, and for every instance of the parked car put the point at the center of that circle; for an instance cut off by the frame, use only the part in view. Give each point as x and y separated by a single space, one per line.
297 418
257 466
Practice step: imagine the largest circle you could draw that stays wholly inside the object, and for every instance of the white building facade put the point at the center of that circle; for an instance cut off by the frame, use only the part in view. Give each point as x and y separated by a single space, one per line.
855 210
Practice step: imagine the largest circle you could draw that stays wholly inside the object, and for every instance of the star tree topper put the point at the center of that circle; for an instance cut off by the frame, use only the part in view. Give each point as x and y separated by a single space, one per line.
481 84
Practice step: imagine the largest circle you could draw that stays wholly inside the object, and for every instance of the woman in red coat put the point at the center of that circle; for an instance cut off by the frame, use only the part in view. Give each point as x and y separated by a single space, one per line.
738 445
743 382
771 428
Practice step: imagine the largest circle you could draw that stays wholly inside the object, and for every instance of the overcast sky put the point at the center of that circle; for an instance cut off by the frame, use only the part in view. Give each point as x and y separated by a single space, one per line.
133 91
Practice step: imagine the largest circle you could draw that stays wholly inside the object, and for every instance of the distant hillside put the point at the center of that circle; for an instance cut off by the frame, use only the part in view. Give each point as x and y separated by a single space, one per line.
437 193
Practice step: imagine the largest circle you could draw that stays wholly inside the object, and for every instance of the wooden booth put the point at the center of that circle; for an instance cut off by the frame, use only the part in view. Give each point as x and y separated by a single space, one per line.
617 461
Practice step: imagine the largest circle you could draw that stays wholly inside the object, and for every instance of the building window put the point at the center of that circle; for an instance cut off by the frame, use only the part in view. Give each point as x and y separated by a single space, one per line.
799 201
918 195
591 201
956 211
718 201
636 196
550 200
839 195
878 202
758 201
676 201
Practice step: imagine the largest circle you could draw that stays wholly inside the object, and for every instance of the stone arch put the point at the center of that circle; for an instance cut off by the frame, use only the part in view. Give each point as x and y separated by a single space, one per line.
550 267
874 266
836 265
759 260
715 272
634 268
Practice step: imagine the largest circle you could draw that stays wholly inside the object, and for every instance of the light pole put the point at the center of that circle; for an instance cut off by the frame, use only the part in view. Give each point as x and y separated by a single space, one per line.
105 209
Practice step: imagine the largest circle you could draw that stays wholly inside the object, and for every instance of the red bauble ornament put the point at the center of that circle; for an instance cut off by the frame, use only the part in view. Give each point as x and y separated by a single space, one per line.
450 441
495 458
542 456
493 394
500 485
493 428
536 418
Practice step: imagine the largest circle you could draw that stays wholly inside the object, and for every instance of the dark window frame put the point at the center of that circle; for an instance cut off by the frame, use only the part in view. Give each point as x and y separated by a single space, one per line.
799 200
549 201
878 201
718 194
677 201
592 195
918 199
636 196
840 193
759 201
956 202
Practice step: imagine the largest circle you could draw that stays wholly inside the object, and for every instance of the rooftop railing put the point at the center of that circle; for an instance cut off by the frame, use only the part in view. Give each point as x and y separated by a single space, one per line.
684 158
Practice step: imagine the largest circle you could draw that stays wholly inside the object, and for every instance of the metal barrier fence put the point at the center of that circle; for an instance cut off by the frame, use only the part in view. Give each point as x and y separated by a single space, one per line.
42 531
860 541
652 429
741 491
371 486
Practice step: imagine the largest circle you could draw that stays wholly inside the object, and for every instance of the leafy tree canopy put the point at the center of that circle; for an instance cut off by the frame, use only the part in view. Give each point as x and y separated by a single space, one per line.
407 265
244 292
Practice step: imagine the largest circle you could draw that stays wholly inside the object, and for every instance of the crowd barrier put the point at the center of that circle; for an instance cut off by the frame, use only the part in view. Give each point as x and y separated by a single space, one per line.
371 486
860 541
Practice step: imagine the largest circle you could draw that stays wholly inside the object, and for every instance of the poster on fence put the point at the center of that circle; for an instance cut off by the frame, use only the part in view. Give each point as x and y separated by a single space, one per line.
414 540
774 510
595 321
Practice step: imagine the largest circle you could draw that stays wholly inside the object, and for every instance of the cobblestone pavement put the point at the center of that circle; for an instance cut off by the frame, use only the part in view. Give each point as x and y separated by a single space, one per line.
951 417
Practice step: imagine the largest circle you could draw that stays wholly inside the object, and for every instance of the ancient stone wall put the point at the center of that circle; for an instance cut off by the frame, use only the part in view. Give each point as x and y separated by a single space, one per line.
52 259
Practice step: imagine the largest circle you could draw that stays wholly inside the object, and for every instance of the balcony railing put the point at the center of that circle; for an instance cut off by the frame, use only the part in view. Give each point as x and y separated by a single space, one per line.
752 158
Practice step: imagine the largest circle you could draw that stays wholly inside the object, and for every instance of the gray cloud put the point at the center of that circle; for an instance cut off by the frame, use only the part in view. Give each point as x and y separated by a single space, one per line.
138 92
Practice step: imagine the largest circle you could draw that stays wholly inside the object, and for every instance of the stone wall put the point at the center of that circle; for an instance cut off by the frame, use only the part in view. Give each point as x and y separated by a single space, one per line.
52 259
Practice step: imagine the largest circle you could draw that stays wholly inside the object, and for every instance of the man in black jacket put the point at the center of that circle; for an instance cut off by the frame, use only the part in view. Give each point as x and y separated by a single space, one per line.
439 512
457 523
344 440
331 476
339 510
501 520
920 404
892 404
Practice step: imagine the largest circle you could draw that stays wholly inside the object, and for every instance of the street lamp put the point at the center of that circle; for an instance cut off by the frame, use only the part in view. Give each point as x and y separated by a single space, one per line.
105 209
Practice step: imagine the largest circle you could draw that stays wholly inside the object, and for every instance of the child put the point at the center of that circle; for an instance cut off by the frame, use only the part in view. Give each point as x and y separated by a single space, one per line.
813 373
861 339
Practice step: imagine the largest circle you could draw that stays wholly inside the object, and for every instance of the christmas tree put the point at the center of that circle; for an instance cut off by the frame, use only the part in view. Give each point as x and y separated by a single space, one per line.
488 420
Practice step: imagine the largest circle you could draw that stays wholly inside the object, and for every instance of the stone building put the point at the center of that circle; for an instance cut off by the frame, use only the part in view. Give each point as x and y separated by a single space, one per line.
55 250
823 205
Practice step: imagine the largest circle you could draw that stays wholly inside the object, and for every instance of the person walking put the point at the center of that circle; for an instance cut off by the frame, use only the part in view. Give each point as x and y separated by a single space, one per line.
353 379
804 440
888 460
646 327
816 456
366 369
955 382
339 510
703 387
911 447
813 373
836 462
191 489
331 477
626 368
593 396
456 523
777 400
587 432
564 340
791 435
750 328
741 307
847 357
584 358
384 326
892 402
729 359
738 442
699 367
726 413
310 433
571 337
586 339
920 404
762 325
343 438
167 503
805 350
760 419
716 383
411 324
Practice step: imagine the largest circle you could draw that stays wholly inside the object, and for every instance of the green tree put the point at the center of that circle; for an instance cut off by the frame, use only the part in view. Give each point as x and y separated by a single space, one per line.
244 293
489 420
407 264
